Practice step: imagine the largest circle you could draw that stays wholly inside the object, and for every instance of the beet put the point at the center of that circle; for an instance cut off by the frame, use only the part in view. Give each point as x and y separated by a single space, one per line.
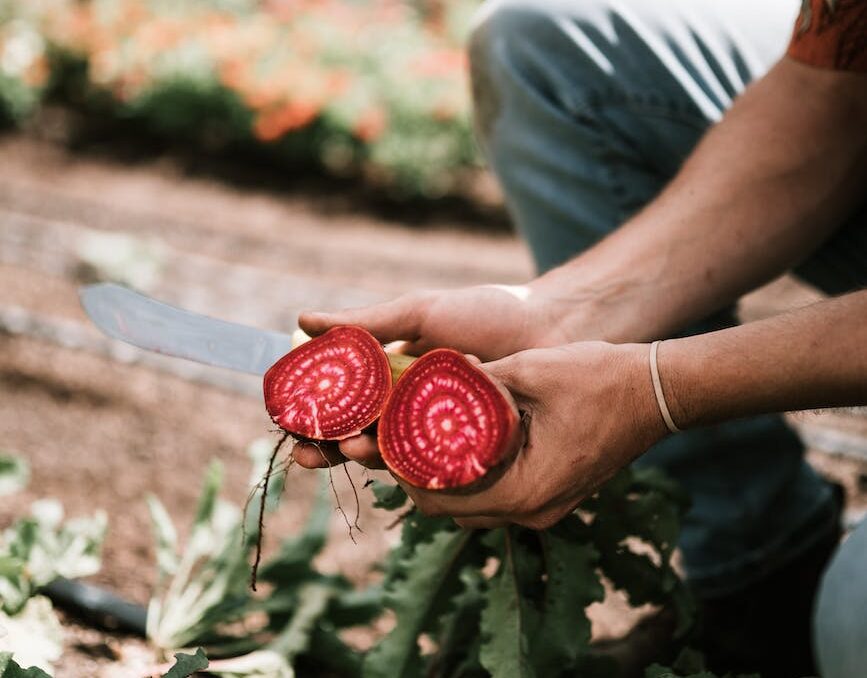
330 387
446 425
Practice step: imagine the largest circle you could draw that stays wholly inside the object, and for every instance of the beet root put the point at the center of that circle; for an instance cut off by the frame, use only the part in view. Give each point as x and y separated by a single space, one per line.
446 425
330 387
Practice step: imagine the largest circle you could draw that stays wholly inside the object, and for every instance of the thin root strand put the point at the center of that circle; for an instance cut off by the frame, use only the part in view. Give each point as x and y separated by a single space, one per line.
262 501
357 502
334 492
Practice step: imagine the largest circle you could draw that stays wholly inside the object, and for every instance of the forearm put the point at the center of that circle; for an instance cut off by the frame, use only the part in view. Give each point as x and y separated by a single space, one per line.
810 358
762 190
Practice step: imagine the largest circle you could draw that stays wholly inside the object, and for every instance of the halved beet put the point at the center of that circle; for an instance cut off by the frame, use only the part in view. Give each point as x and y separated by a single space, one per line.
446 425
331 387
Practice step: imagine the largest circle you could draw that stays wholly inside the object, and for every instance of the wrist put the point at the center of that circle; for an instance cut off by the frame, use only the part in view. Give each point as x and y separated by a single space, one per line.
680 369
580 308
641 404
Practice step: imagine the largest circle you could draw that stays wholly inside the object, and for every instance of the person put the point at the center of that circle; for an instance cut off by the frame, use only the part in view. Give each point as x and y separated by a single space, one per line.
661 160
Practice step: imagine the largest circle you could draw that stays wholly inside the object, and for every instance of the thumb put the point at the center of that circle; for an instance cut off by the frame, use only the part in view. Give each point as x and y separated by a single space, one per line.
394 320
513 372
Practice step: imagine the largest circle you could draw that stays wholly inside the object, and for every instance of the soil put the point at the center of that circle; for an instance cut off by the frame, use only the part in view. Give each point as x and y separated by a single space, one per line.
104 427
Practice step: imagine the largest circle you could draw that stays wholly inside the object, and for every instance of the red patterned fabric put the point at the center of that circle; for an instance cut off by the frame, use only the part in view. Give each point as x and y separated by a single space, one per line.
831 34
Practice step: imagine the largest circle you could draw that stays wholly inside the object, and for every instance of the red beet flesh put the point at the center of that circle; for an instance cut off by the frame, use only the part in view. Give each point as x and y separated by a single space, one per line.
331 387
446 424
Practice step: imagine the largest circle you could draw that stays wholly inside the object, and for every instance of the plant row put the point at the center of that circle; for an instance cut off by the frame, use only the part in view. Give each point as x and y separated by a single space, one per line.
502 603
377 87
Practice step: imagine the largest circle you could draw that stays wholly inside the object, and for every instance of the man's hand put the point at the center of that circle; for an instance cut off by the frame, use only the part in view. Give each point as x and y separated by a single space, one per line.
588 409
490 321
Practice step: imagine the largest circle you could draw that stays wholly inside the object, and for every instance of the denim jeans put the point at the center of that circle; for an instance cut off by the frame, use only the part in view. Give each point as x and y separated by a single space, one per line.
585 109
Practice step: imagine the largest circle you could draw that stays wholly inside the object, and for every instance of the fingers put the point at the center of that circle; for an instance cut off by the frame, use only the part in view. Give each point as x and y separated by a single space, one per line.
497 501
514 372
541 521
389 321
362 449
317 455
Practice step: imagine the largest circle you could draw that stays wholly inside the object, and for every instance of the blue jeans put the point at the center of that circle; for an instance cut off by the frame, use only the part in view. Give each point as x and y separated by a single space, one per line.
585 109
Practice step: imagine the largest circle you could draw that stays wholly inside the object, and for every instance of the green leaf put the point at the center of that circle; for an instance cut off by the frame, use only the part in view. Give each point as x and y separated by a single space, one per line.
571 585
38 549
210 491
657 671
427 581
14 474
642 505
187 664
293 562
9 669
33 635
416 529
690 663
260 452
388 497
166 539
508 618
458 650
352 608
294 640
329 653
634 573
208 587
257 664
16 587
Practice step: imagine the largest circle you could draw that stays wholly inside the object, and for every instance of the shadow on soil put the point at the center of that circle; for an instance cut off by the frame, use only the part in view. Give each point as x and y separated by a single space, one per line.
475 206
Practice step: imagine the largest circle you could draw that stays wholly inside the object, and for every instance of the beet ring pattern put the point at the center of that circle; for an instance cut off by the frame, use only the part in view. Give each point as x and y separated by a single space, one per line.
331 387
445 424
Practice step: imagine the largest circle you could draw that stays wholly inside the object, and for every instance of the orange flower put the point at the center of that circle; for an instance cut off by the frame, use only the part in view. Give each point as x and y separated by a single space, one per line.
37 73
258 96
160 34
272 124
337 82
370 125
233 75
441 63
444 111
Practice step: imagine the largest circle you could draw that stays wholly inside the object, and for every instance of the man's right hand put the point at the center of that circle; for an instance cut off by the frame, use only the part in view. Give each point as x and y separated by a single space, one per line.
489 321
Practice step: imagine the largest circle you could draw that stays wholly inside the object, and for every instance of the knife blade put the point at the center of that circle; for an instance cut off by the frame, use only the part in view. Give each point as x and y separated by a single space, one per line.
153 325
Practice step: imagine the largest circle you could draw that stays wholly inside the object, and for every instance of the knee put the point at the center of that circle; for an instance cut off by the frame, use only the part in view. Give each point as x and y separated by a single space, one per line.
521 44
511 26
507 27
502 31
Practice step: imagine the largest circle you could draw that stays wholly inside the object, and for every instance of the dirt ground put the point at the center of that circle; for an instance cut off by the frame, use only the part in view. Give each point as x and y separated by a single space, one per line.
103 426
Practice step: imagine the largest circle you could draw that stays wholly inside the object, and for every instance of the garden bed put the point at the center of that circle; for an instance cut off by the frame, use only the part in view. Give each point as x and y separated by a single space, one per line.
373 89
102 433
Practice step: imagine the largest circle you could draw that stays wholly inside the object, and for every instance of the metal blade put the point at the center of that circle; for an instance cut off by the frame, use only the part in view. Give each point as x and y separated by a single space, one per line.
153 325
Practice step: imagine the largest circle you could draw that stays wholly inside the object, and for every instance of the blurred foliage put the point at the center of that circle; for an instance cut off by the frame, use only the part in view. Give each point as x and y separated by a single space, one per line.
187 664
505 603
377 87
203 597
34 551
33 635
9 668
14 473
525 617
37 549
690 663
